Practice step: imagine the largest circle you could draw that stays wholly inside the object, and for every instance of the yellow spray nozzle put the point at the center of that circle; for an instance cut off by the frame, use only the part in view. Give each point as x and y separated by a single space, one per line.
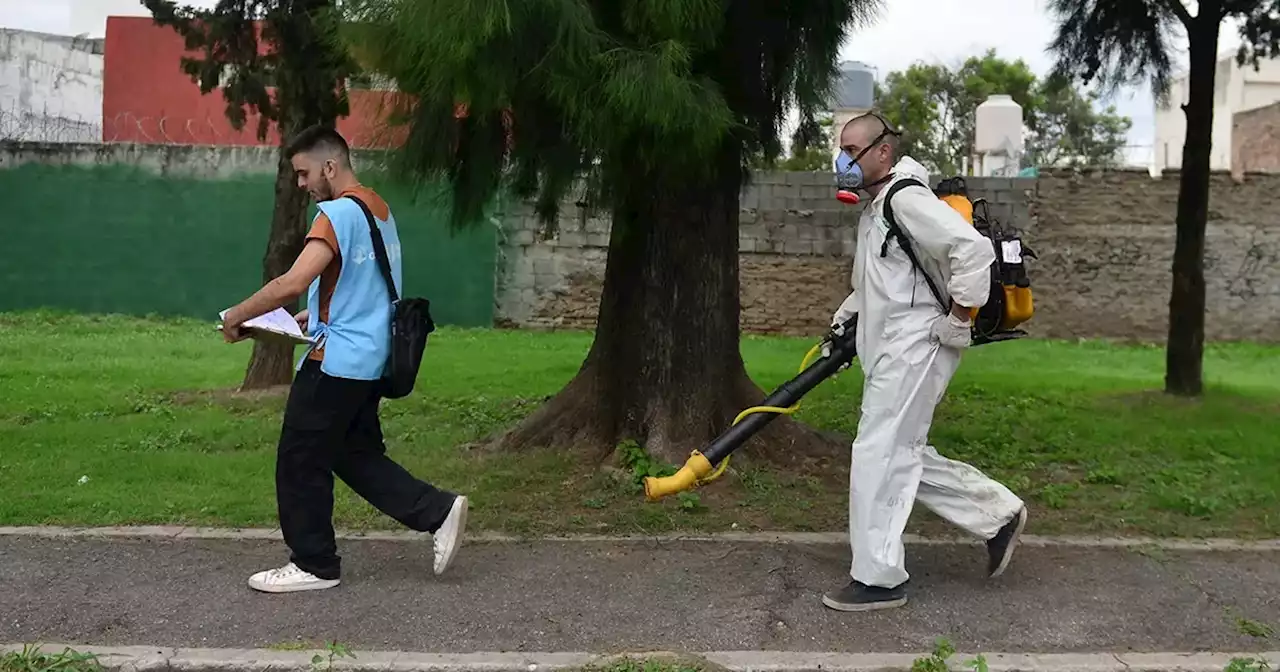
694 469
697 469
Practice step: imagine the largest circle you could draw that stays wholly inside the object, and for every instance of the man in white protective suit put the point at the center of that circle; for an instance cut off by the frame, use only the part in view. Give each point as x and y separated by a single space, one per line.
909 347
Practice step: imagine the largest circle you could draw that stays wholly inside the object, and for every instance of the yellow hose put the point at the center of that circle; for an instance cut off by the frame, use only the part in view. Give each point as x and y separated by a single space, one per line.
694 471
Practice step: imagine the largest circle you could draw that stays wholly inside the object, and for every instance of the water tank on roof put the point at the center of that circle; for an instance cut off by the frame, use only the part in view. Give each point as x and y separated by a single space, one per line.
997 136
998 126
856 87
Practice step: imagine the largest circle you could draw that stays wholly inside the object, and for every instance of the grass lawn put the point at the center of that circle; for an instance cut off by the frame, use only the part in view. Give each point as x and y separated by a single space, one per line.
99 426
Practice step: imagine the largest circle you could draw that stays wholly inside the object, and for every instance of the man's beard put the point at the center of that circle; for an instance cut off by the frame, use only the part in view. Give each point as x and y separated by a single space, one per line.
324 192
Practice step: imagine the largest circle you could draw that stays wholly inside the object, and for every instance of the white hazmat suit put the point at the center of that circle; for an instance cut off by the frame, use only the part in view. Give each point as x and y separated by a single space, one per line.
907 371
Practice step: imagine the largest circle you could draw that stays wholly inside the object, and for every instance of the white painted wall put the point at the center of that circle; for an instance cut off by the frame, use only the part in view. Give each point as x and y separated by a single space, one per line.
1236 89
50 88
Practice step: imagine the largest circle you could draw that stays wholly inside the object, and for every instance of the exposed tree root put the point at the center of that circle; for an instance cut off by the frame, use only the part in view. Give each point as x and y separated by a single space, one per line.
581 420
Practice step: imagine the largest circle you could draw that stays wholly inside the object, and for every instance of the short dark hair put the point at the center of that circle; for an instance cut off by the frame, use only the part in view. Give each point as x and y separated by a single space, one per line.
319 137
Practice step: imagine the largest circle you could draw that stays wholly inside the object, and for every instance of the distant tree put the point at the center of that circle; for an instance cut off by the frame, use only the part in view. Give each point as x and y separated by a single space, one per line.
936 106
282 60
812 147
922 102
657 109
1115 42
1068 129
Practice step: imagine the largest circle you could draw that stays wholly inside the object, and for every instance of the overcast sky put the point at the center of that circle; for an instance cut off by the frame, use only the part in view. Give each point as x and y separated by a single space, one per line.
906 31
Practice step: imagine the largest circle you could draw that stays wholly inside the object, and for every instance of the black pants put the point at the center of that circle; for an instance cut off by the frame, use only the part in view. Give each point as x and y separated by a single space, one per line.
331 427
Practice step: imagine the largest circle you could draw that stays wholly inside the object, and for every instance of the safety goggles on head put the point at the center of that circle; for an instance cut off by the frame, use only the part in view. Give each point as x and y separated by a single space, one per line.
854 153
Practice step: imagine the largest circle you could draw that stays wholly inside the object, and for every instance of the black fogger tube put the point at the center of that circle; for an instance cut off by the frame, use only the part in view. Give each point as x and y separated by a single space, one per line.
701 463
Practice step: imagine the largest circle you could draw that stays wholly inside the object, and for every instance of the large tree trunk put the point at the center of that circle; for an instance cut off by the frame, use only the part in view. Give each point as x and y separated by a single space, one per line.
271 364
1185 348
665 367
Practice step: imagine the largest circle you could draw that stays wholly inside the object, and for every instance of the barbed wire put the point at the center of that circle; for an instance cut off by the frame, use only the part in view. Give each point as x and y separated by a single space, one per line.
24 125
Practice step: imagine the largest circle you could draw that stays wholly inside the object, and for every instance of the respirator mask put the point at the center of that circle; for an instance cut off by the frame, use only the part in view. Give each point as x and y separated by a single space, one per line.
849 176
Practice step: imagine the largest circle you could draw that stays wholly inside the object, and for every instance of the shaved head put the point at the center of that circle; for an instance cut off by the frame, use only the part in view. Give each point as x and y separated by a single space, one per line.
862 130
869 140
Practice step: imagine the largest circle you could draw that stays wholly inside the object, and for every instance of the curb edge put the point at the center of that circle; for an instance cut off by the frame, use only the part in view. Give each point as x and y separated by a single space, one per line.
167 659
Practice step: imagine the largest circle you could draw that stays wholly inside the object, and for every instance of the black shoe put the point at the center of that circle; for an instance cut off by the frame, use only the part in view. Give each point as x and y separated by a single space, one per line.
1000 547
861 597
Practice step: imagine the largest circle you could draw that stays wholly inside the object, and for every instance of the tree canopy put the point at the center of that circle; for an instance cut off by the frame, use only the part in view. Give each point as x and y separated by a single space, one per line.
604 90
1123 42
935 105
276 59
1072 128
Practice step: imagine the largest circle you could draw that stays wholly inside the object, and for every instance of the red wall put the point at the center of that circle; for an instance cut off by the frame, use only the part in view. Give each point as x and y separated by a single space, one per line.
147 98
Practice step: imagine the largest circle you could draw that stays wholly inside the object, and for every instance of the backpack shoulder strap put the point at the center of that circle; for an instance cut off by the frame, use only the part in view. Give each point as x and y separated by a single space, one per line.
895 231
379 248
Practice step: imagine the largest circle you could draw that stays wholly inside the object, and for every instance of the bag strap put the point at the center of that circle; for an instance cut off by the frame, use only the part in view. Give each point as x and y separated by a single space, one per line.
895 231
380 249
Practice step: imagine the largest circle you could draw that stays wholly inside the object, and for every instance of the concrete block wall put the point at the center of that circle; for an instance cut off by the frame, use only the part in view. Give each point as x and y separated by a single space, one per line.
1106 243
796 244
1105 240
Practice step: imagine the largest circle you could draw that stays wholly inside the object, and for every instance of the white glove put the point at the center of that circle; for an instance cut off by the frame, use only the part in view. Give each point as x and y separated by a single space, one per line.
952 332
836 330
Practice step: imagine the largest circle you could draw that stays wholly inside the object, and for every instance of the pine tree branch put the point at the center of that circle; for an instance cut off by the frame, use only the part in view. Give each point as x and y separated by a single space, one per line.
1180 10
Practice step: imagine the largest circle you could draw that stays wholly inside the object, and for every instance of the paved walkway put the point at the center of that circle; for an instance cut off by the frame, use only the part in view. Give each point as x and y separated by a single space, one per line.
599 596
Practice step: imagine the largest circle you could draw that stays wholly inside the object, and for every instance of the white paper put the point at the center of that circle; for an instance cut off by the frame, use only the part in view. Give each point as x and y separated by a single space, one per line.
278 321
1011 250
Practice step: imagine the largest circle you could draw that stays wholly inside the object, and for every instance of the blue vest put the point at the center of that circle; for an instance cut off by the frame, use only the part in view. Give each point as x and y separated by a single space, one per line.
357 338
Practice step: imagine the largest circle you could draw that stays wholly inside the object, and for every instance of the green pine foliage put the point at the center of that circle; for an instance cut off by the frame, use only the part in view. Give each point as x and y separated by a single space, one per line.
1120 42
290 72
609 92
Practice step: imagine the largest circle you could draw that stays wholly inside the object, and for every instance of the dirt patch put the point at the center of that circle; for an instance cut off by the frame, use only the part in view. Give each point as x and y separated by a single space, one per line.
229 397
658 661
1151 397
1160 399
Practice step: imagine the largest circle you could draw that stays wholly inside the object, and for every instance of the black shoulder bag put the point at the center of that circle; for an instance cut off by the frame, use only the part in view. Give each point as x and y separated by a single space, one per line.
411 323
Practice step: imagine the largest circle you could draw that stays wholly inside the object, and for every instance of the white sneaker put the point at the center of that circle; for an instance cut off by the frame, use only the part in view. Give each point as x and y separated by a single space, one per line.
289 579
447 539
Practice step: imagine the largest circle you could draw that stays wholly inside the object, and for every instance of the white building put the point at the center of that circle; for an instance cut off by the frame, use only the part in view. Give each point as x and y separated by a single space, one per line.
50 87
1236 89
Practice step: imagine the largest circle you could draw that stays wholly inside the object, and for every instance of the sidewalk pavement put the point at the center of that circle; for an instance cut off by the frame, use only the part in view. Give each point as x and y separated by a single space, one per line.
602 597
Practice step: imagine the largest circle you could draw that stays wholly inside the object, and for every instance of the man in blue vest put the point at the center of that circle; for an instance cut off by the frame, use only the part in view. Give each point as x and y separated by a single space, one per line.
331 421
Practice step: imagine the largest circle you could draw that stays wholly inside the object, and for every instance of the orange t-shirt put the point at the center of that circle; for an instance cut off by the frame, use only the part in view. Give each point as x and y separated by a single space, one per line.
322 229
